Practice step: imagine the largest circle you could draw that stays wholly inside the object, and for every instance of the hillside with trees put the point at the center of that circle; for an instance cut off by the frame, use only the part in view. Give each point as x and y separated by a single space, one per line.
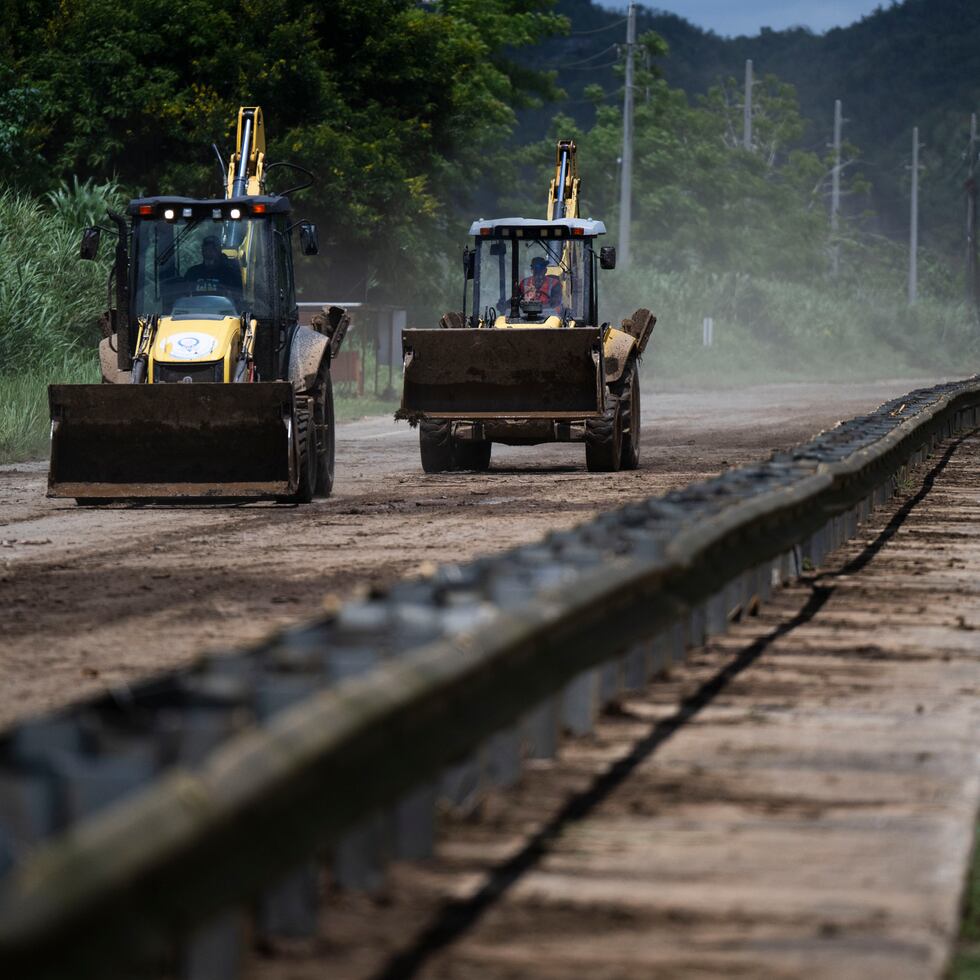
417 117
915 63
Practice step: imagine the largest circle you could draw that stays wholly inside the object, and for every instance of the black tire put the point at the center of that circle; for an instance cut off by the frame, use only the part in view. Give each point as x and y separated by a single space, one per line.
323 422
436 446
604 439
629 420
307 468
472 455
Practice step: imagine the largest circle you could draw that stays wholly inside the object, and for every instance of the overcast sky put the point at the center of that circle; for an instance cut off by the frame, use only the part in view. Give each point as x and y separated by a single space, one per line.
733 17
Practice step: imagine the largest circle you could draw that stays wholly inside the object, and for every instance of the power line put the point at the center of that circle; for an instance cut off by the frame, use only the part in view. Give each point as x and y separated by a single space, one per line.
599 30
605 98
606 64
592 57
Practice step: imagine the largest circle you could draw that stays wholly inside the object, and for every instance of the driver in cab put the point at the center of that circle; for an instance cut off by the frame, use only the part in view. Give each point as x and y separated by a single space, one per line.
540 287
216 273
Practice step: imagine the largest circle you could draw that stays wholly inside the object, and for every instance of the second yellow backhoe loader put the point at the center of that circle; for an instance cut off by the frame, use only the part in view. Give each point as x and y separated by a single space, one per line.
533 362
211 388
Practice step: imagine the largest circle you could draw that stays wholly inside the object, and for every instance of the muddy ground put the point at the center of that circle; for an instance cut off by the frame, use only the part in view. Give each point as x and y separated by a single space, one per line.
91 598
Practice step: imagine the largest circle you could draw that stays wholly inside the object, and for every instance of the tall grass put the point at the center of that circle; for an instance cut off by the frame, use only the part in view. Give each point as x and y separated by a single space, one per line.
24 423
50 302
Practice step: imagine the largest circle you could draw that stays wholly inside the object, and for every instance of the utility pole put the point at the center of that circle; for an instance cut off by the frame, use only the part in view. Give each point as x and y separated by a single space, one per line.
914 223
747 121
972 272
626 174
835 192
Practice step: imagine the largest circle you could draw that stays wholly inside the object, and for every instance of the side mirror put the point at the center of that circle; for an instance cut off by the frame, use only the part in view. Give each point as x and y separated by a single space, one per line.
309 241
607 257
89 248
469 263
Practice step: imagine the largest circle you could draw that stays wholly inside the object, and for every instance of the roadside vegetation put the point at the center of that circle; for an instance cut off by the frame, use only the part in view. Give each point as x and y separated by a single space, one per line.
965 963
415 119
49 306
766 330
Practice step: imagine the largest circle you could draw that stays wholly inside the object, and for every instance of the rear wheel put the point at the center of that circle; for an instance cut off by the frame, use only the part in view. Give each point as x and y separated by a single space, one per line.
629 421
307 458
436 446
323 424
307 471
604 439
472 455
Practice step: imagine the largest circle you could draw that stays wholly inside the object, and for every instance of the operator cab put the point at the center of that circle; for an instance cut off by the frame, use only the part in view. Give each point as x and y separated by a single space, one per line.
211 259
528 272
211 281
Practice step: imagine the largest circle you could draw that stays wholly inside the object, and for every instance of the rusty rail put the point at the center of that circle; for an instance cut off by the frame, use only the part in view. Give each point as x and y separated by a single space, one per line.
143 830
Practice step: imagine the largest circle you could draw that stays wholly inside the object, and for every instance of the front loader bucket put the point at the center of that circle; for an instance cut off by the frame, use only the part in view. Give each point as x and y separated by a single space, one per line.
516 372
171 440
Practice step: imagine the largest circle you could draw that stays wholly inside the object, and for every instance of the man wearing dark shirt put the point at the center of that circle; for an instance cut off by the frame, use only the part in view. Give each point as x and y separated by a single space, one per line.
216 273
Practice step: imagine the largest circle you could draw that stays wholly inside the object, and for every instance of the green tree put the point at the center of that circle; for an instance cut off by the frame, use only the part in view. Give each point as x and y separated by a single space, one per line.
700 200
400 110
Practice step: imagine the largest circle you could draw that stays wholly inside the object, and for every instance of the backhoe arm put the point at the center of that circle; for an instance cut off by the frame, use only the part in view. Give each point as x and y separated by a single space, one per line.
563 193
246 169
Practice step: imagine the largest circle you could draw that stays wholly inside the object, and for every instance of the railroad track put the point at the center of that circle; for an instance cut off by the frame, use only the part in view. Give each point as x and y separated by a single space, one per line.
797 799
340 738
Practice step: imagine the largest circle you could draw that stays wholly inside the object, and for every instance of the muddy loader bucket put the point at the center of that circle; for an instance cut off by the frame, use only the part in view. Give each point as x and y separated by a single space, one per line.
171 440
519 372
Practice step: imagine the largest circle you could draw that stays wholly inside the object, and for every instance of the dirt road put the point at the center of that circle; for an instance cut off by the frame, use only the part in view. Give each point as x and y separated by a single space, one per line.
91 598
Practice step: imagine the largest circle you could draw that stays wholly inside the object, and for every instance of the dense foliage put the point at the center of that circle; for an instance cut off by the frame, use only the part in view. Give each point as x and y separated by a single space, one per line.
49 301
397 107
413 115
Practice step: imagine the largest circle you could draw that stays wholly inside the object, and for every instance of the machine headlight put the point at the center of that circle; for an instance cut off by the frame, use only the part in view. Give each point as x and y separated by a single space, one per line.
235 214
169 214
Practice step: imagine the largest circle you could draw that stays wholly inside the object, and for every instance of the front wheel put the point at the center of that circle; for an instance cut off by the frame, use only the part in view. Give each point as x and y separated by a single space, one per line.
307 468
306 436
629 421
472 455
323 424
436 446
604 439
441 453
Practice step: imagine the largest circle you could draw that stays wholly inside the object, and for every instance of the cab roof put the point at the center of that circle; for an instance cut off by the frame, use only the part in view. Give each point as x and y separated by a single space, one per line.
273 203
537 228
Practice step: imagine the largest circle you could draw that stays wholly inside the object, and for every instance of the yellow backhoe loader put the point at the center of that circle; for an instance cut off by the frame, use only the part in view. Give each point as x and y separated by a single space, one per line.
211 388
532 363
